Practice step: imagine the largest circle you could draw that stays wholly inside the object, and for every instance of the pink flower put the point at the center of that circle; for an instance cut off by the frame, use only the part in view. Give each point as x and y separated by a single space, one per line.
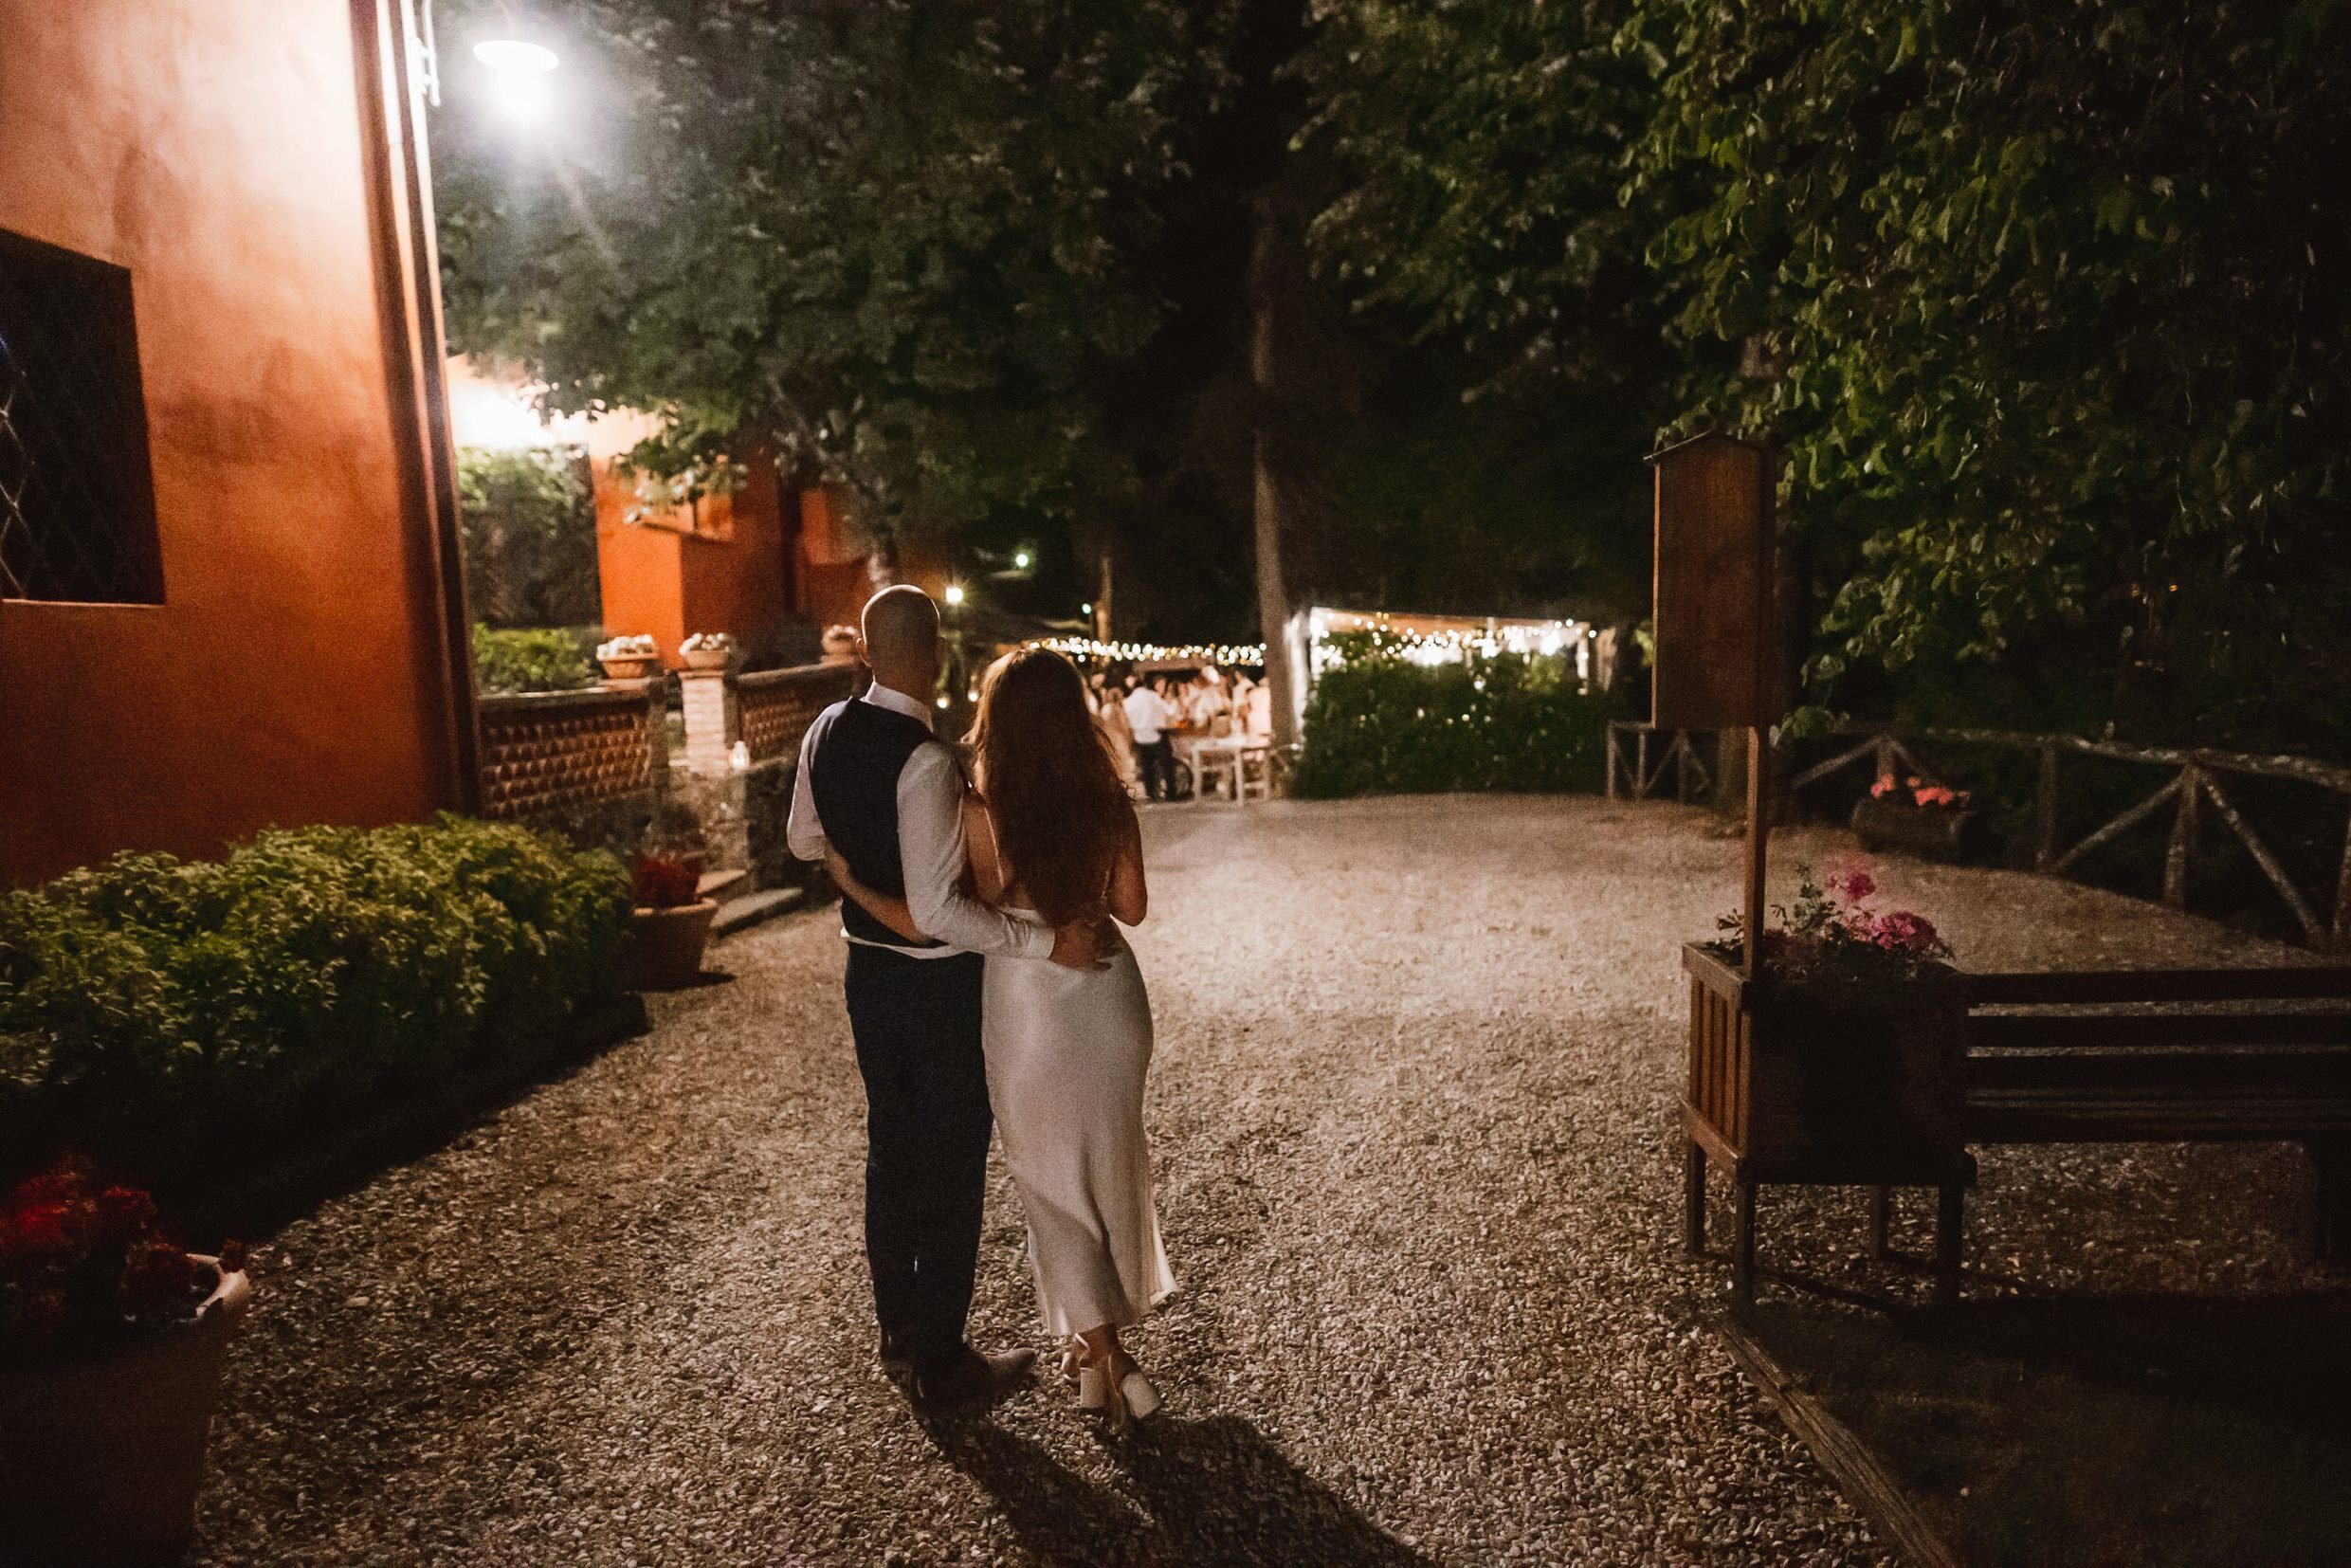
1883 788
1854 883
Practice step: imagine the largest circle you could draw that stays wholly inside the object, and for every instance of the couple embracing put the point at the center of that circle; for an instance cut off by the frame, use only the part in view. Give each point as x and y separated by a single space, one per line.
988 984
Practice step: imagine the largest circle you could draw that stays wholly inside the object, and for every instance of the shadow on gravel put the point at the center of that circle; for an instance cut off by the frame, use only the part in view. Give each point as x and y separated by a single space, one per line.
2139 1430
1214 1490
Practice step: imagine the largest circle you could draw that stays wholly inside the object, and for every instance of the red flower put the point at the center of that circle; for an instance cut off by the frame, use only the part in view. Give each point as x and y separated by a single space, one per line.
124 1214
45 1233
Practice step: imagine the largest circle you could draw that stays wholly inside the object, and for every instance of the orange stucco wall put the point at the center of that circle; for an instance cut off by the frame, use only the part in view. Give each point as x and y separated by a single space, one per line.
216 149
735 576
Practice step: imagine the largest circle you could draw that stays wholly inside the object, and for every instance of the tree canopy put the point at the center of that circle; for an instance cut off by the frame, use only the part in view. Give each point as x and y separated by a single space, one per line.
898 238
2047 304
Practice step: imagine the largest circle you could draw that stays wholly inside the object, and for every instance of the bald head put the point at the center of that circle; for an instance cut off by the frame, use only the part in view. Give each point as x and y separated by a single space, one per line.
901 639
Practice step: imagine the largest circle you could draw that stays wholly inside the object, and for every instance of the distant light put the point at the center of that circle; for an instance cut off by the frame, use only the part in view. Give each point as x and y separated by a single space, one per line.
955 596
520 70
942 699
1086 609
1022 559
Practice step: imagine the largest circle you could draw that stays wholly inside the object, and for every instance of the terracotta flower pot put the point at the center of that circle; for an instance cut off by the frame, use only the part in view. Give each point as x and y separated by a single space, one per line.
101 1457
707 658
642 666
665 949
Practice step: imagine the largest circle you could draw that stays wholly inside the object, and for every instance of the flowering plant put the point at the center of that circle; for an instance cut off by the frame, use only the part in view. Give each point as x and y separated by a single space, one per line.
639 647
1927 798
667 880
81 1263
1829 931
714 642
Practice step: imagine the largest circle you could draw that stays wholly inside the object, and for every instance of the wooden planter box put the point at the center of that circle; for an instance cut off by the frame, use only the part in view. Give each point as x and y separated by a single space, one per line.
1831 1083
1914 829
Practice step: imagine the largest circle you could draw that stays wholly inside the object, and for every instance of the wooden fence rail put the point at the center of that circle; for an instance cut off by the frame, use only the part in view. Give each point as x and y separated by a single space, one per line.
2195 785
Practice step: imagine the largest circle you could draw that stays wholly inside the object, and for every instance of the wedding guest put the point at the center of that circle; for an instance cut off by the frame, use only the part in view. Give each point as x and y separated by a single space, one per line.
1110 714
1257 712
1149 716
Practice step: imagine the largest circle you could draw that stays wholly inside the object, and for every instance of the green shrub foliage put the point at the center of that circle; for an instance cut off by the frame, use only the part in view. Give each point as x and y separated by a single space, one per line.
544 660
150 1006
530 527
1380 724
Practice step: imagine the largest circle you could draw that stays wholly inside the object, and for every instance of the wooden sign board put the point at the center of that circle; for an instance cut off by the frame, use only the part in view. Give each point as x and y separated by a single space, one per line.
1712 615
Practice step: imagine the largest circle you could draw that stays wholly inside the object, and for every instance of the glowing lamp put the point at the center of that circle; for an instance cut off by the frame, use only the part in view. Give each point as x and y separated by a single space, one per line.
521 71
955 593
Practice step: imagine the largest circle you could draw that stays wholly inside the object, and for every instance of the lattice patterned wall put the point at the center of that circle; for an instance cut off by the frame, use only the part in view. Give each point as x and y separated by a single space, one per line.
777 705
559 751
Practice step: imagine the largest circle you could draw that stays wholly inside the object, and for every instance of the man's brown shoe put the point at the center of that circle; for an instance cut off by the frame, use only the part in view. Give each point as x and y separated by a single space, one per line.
970 1378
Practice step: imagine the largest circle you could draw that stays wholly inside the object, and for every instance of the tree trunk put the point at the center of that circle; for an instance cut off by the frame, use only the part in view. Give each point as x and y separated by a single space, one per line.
1275 605
1102 596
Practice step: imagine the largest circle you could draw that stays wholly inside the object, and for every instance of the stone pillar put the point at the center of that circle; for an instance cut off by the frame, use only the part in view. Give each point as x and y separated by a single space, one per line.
712 785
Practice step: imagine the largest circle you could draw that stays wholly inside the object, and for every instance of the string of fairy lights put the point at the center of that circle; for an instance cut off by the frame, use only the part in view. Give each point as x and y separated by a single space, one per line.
1450 646
1193 653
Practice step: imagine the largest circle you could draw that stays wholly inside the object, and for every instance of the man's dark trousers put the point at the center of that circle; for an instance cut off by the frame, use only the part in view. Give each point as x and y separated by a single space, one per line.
1157 764
928 1124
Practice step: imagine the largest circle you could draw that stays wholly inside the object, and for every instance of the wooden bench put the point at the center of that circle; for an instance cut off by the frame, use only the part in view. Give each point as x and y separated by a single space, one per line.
2181 1055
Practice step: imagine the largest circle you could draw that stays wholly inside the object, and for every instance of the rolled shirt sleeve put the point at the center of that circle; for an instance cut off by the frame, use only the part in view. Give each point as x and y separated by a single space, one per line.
803 834
930 848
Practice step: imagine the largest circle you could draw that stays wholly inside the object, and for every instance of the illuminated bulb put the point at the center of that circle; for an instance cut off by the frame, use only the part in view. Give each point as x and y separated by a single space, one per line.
1022 560
955 596
942 699
521 71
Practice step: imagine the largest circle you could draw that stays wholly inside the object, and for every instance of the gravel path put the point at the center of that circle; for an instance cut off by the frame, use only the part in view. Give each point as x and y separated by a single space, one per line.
1419 1174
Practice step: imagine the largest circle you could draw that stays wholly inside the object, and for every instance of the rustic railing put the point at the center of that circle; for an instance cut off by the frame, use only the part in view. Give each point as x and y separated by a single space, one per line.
563 751
2194 785
778 705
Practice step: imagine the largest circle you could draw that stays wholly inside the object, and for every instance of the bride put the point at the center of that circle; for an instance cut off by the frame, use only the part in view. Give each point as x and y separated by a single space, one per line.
1051 836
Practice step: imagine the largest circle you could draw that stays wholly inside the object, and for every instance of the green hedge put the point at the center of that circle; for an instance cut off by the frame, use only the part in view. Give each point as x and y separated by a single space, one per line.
542 659
1380 724
150 1006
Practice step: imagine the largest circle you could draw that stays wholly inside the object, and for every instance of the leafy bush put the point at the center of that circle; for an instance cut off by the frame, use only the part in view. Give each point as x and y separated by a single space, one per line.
1380 724
530 529
151 1005
542 660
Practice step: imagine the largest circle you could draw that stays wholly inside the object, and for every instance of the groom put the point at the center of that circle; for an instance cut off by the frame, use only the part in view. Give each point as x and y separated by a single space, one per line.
876 785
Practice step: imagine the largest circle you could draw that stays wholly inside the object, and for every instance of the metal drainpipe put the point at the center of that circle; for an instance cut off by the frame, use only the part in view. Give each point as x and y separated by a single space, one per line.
408 264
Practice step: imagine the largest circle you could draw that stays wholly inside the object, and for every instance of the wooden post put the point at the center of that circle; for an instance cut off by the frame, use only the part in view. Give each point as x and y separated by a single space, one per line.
1882 1222
1759 840
2045 809
1640 766
1694 1200
1950 1221
2183 838
2342 894
1743 1246
1615 761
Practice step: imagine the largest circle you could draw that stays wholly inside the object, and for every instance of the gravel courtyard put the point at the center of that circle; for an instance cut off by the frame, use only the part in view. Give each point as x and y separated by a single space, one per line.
1413 1119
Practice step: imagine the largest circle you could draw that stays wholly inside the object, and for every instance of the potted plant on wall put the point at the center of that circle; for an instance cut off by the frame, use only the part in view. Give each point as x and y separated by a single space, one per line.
707 651
630 658
112 1340
670 925
1922 817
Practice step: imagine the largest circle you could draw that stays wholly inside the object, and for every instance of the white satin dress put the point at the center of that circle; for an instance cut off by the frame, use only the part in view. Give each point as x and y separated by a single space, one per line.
1067 1050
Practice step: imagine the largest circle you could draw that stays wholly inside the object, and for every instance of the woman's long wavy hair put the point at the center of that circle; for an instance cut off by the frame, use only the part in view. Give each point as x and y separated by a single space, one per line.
1045 769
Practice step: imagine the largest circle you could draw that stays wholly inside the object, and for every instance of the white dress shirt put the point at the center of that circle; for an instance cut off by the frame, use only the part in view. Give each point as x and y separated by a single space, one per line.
1146 715
930 846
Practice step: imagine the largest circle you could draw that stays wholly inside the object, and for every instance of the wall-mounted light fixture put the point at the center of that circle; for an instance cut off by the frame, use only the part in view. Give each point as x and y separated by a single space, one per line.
520 70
